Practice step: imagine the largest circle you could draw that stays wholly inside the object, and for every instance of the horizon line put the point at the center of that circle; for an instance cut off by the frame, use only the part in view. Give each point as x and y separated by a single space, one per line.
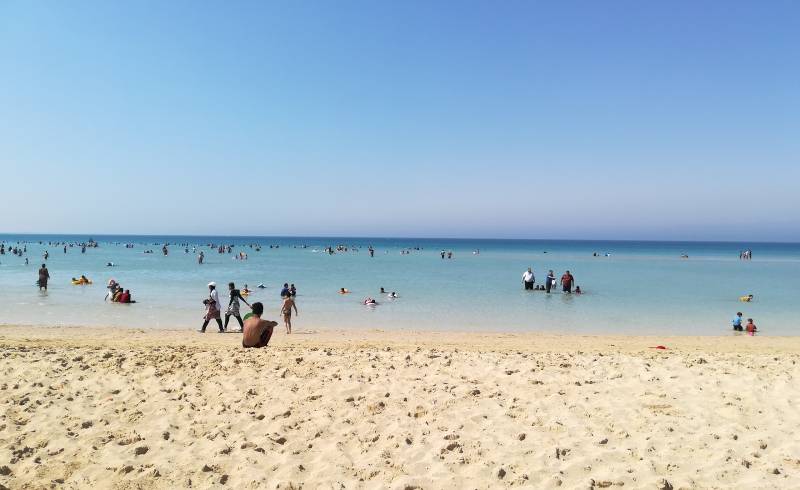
365 237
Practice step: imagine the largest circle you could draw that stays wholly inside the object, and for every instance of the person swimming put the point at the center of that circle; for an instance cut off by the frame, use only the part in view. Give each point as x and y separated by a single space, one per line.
370 302
746 299
343 291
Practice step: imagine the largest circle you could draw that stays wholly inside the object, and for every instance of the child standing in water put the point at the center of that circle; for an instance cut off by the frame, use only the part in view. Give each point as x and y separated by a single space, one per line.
751 327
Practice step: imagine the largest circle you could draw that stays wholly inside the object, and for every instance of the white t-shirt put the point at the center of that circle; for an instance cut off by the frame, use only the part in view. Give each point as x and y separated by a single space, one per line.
527 276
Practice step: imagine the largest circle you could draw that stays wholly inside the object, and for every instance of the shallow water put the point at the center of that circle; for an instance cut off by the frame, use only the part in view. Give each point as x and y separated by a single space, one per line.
642 287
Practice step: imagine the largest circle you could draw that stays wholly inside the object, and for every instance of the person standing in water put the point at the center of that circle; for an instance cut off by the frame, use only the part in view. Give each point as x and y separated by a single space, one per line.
286 311
233 306
213 308
528 279
550 282
44 276
567 280
737 322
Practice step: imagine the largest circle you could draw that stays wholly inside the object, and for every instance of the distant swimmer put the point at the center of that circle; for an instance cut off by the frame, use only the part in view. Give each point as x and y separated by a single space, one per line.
83 280
261 286
344 291
578 290
684 256
746 299
383 291
370 302
393 295
109 264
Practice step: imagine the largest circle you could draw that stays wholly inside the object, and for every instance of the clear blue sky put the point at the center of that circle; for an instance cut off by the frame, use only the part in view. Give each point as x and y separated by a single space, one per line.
620 119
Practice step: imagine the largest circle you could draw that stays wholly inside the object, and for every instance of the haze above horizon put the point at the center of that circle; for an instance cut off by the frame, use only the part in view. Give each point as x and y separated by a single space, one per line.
578 120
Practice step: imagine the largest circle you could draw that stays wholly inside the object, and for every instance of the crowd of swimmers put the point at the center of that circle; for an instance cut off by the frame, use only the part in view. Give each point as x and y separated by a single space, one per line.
567 282
369 300
214 309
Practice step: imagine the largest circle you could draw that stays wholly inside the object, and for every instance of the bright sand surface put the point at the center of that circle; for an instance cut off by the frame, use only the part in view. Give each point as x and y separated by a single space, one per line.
125 408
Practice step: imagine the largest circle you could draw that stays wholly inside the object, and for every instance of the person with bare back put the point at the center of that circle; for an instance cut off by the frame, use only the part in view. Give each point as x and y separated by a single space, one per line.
286 311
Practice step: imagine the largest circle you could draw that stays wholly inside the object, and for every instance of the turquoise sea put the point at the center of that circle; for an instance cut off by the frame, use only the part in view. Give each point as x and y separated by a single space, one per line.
638 288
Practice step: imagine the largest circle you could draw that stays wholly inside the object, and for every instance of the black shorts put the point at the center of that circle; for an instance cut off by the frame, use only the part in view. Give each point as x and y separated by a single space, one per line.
738 328
528 285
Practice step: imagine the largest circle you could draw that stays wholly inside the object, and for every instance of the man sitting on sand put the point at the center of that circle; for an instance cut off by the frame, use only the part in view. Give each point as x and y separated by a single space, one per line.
257 332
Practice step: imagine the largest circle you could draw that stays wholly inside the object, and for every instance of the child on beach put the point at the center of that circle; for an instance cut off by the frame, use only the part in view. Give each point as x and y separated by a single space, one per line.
751 327
286 311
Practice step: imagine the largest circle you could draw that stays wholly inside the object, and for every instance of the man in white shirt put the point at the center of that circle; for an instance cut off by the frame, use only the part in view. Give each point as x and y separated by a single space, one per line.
528 279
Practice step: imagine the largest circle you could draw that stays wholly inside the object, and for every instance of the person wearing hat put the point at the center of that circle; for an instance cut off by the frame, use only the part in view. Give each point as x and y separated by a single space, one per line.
213 308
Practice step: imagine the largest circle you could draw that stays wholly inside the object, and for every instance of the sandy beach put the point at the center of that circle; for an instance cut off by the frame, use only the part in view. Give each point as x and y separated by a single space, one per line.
126 408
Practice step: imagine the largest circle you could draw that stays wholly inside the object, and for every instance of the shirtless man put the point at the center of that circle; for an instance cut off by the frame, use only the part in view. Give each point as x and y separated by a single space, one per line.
286 311
567 280
257 332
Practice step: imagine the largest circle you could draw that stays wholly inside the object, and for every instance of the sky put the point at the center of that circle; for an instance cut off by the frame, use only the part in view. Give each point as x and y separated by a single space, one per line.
596 120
